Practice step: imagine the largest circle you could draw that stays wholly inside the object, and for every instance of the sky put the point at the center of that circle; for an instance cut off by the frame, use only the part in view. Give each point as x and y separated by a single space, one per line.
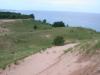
91 6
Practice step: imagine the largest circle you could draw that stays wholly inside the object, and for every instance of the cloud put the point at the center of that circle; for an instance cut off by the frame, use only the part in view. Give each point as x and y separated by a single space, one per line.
63 2
65 5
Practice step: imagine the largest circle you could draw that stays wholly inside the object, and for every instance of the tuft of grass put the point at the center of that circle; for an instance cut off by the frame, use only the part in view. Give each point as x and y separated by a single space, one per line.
88 46
66 51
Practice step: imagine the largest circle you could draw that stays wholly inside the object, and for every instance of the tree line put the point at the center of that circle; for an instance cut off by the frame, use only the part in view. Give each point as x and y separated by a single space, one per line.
13 15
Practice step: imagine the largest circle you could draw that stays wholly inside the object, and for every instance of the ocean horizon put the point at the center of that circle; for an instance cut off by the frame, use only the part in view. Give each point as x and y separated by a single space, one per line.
76 19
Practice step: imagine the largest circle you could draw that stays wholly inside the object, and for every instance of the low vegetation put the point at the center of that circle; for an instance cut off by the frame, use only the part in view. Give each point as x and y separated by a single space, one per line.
28 36
89 47
58 41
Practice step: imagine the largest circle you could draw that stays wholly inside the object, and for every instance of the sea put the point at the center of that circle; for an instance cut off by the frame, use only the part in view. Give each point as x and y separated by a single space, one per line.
75 19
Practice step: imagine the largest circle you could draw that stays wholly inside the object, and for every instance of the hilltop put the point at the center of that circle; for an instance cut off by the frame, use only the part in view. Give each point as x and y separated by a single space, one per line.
19 39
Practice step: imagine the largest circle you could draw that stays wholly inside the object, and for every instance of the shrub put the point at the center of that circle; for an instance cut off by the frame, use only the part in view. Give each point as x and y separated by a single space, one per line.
58 41
58 24
35 27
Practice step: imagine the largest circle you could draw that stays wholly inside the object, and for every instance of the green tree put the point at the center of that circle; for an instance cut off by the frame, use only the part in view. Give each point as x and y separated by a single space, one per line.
58 24
44 21
32 16
14 15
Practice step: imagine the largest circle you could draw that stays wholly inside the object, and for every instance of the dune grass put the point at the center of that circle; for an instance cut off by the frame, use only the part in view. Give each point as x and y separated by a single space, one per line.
89 47
23 40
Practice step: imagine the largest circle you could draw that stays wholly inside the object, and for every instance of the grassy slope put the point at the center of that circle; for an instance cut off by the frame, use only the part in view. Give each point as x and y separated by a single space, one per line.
23 40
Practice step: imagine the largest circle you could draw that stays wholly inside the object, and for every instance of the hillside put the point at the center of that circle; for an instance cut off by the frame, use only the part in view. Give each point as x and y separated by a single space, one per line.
18 39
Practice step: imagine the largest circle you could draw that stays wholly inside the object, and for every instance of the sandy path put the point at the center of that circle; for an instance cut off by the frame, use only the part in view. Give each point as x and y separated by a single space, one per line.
67 65
38 63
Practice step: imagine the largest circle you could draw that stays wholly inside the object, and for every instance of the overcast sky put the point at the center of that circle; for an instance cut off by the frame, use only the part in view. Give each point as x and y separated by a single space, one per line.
91 6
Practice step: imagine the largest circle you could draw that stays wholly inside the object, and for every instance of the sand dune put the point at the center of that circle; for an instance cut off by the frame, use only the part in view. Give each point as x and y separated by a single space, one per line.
53 61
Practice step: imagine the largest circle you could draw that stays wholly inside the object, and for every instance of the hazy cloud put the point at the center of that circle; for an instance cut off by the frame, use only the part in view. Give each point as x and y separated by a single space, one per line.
60 5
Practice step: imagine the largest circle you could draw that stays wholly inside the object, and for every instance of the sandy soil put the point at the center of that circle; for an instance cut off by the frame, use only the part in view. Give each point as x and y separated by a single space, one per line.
2 23
6 20
4 30
53 61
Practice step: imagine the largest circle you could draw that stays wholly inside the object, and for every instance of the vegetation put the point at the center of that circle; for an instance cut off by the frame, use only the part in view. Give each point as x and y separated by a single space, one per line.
26 25
13 15
21 40
58 41
58 24
44 21
35 27
89 47
32 16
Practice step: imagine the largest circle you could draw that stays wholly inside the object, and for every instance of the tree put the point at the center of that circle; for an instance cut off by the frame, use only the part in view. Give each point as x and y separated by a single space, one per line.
67 25
59 40
58 24
44 21
32 16
14 15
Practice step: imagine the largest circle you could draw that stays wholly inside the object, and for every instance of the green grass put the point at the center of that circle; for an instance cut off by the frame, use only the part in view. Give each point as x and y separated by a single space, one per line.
87 47
27 25
23 40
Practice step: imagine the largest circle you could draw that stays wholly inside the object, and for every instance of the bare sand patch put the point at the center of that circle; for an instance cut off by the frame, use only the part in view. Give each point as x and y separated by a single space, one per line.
4 30
54 61
2 21
48 36
37 63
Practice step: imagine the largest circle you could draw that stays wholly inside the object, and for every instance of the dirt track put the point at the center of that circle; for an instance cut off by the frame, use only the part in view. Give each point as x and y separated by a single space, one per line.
53 61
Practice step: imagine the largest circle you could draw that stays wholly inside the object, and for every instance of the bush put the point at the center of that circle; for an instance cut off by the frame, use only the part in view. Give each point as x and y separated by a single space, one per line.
58 41
35 27
58 24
